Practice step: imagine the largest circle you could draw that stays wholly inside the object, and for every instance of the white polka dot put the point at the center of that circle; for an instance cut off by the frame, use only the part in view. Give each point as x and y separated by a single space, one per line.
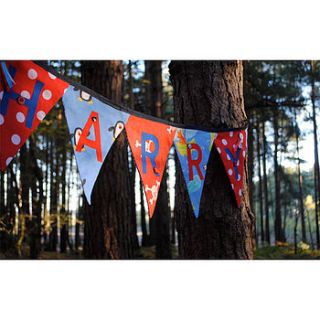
231 134
41 115
32 74
1 119
232 186
1 95
15 139
234 147
230 172
243 153
224 142
219 150
8 161
52 76
46 94
238 177
228 157
240 192
25 94
241 136
238 163
20 117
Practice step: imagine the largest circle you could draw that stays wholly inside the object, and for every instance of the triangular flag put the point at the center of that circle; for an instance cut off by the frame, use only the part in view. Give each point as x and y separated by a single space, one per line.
232 149
93 126
24 104
193 149
150 143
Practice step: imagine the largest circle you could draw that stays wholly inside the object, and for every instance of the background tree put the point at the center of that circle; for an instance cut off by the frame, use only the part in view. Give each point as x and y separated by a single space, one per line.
108 219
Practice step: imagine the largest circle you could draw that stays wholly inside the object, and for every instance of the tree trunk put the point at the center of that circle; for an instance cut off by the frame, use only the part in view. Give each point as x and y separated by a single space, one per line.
63 212
145 239
260 185
108 219
54 191
316 160
301 204
132 169
210 94
279 235
37 203
251 117
265 184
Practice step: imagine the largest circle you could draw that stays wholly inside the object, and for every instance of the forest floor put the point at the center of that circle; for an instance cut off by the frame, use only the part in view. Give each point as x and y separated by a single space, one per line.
280 252
286 252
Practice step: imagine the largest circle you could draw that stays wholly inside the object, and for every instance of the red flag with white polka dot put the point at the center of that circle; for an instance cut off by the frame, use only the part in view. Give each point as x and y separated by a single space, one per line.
25 105
232 149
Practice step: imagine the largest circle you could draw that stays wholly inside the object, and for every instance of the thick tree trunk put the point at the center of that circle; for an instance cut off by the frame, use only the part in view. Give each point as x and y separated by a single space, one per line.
210 94
108 219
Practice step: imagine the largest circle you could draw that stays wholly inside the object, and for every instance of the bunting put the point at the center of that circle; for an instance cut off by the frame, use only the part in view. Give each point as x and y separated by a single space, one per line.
193 149
232 149
150 143
93 127
28 92
24 103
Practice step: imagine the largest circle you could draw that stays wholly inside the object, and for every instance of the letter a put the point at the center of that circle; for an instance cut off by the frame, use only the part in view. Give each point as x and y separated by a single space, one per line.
93 120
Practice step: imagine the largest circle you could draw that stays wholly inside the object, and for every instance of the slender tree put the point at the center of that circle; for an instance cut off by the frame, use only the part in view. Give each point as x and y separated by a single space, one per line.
301 204
265 184
260 184
316 150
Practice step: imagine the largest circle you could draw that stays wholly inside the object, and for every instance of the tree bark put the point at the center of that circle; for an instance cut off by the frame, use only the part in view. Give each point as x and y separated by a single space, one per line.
210 94
108 219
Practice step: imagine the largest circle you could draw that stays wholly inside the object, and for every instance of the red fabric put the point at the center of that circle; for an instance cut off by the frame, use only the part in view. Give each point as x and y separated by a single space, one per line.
139 130
13 129
234 165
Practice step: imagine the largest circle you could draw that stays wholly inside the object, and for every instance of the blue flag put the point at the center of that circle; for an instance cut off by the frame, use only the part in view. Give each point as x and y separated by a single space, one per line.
193 148
93 126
